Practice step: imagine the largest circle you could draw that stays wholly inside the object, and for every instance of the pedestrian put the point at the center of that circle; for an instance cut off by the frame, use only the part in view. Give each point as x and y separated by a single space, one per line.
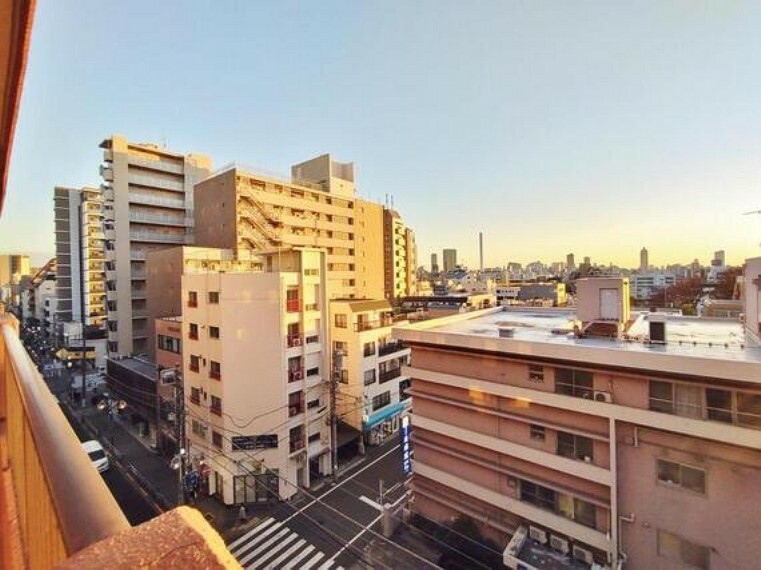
242 514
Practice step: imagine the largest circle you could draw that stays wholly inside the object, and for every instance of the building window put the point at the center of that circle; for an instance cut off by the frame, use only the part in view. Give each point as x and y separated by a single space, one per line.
199 429
313 371
369 349
168 343
381 400
192 299
536 432
341 321
577 383
216 439
314 437
216 405
719 405
342 346
195 395
575 446
344 376
213 332
542 497
676 548
535 373
404 385
369 377
193 331
749 409
313 404
194 362
214 297
680 475
215 370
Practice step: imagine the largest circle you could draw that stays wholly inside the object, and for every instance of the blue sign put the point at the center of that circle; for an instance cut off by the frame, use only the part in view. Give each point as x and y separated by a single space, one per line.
406 445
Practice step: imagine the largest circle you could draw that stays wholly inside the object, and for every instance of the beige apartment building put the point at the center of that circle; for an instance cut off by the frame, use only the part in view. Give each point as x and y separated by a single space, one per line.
255 375
237 208
372 396
147 205
596 437
12 269
80 254
400 257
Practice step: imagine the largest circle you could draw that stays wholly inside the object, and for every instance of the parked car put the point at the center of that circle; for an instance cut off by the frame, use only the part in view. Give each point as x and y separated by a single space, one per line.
97 455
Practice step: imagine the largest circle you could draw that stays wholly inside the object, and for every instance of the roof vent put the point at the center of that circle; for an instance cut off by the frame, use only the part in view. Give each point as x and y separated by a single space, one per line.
657 324
506 332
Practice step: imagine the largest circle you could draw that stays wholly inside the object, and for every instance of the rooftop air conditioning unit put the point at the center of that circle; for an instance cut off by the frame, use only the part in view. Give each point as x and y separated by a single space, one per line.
583 554
657 324
559 544
602 396
537 534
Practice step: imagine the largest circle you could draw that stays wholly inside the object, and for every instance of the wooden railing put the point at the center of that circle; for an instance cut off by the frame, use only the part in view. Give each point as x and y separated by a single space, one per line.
54 501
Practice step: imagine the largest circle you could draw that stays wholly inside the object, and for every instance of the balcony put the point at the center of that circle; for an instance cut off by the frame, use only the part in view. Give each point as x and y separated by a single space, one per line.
361 326
139 198
295 374
159 237
155 182
390 348
389 375
159 219
54 505
293 305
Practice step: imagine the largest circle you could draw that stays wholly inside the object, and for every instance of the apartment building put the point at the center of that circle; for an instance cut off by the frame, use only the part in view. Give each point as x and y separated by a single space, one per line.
372 394
644 285
238 208
450 260
80 255
400 257
597 437
147 205
12 269
254 375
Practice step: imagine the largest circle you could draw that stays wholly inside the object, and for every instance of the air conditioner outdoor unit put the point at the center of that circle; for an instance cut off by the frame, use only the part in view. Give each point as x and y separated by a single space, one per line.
583 554
602 396
559 544
537 534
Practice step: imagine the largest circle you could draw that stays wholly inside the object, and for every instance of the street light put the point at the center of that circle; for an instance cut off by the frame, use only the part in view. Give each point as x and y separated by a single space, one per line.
111 406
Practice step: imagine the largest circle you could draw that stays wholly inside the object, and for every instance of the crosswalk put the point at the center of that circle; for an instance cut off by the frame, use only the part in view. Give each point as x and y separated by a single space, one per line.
272 545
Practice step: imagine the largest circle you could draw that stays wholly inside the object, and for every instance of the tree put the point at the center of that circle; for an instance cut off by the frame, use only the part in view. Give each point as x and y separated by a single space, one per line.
726 285
685 291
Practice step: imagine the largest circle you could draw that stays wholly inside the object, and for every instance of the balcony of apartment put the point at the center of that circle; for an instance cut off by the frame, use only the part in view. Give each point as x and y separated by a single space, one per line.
390 348
107 173
295 373
55 507
159 165
143 198
137 255
296 405
297 439
159 219
293 305
155 182
388 375
294 340
157 237
368 325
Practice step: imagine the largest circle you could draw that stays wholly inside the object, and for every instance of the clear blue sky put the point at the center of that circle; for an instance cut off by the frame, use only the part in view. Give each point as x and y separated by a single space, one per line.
592 127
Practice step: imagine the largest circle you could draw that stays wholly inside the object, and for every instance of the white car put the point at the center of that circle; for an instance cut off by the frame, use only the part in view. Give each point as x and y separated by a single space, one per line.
97 455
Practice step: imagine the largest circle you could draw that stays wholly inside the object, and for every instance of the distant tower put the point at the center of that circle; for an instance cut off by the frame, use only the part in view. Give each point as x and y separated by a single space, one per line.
450 260
434 264
719 258
570 262
588 261
644 262
481 250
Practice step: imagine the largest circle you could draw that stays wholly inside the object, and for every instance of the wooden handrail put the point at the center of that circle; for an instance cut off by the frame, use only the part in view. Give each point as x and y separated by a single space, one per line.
85 510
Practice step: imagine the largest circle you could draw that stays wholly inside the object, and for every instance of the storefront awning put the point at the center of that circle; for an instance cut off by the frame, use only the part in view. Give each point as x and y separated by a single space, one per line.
389 412
65 354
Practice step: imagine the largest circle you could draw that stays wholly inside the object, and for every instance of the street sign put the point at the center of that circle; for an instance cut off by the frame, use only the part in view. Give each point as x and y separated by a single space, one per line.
406 432
249 442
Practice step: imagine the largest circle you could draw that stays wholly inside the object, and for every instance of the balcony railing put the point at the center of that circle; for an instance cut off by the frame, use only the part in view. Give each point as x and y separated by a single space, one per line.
375 324
389 375
297 444
295 340
390 348
295 374
293 305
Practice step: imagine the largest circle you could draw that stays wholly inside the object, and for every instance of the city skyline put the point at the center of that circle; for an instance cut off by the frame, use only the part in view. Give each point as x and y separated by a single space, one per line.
543 173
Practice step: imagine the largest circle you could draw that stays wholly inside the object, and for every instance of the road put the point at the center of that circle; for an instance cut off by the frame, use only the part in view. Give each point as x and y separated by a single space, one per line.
315 531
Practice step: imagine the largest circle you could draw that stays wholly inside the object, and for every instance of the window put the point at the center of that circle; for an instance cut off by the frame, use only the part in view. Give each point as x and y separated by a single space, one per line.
247 442
680 475
369 377
193 331
584 513
537 495
680 399
341 321
404 385
216 439
216 405
719 405
535 373
168 343
199 429
344 377
661 397
195 395
214 297
342 346
194 363
369 349
312 272
313 371
192 299
536 432
215 370
749 409
381 400
213 332
577 383
676 548
575 446
314 437
313 404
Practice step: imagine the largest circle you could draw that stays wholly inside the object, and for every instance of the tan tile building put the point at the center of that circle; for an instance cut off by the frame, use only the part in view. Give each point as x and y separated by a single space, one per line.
254 375
147 205
598 436
12 269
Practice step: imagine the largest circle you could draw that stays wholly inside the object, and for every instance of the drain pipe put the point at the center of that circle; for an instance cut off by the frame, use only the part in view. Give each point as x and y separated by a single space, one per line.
623 557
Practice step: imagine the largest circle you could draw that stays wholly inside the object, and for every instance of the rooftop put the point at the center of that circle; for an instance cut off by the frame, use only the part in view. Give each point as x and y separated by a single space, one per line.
711 344
138 365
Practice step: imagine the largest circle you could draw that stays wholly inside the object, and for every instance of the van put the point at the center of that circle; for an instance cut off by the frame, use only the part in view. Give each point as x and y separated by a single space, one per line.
97 455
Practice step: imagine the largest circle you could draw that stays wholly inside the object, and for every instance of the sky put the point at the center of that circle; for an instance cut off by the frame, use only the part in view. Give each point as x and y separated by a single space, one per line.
553 127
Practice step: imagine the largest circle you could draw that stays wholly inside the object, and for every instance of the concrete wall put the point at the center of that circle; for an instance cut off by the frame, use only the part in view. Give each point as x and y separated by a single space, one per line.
369 249
215 211
752 308
588 297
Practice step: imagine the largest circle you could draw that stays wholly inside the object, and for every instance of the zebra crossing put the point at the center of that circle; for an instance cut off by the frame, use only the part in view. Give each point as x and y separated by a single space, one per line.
272 545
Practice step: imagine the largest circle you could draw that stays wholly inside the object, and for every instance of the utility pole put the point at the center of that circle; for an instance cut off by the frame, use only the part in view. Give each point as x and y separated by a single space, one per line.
179 419
158 404
83 358
336 378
